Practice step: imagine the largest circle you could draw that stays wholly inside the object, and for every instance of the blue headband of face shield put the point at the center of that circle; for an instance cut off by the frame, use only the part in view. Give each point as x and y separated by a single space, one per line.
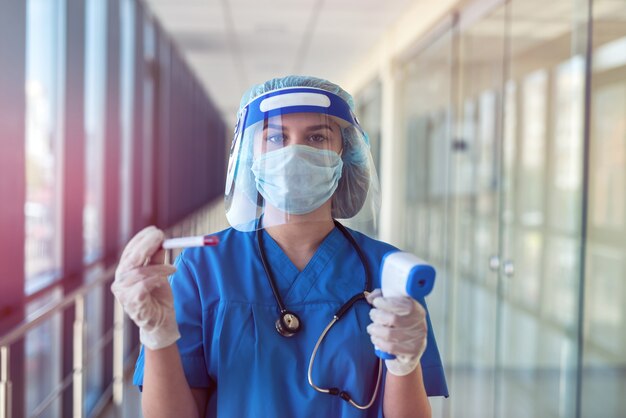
295 100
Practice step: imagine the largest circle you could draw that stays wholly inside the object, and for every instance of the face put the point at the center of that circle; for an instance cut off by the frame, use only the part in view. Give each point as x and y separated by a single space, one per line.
313 129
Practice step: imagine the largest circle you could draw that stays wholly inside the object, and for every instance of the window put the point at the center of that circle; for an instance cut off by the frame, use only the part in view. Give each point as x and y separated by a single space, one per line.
45 30
42 370
127 63
149 93
95 93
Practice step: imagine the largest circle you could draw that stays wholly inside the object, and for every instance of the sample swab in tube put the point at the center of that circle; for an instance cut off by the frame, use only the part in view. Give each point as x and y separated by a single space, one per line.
185 242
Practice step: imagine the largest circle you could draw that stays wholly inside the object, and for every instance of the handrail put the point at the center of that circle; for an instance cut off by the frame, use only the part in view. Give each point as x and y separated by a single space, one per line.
209 218
77 376
26 325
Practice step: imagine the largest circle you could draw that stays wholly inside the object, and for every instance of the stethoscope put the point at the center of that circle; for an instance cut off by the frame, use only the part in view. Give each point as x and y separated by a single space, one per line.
288 323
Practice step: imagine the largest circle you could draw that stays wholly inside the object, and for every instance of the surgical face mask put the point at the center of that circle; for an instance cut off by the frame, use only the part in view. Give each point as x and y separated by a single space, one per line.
297 179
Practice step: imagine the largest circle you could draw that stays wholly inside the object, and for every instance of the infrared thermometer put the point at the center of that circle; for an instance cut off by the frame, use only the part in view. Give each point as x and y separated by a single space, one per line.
404 274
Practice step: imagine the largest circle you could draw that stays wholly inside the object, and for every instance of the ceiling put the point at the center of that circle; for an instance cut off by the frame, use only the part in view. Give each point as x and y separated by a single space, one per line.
232 44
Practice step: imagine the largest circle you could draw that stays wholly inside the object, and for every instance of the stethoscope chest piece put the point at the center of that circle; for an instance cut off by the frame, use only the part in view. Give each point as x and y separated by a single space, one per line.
288 324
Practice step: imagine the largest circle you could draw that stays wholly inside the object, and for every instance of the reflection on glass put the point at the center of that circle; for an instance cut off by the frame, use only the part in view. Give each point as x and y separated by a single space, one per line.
43 361
127 81
44 65
95 91
426 114
436 230
527 330
566 182
604 362
533 148
609 157
483 243
425 97
418 132
464 184
475 189
612 54
149 85
509 151
543 205
528 262
94 308
562 271
464 166
606 306
369 113
486 204
486 173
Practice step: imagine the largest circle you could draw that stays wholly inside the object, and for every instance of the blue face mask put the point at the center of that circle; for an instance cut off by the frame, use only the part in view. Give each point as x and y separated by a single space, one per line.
297 179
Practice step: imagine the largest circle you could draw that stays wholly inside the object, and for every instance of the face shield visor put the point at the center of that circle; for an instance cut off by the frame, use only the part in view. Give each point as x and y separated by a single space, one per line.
299 155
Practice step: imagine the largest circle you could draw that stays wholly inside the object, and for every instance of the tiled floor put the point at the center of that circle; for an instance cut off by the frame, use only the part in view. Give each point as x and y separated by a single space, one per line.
469 399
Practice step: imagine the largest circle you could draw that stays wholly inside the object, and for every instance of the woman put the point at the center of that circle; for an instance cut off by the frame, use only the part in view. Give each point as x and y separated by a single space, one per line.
245 329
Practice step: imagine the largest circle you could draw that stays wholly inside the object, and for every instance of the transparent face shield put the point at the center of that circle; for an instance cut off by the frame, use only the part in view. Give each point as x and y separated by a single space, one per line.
299 155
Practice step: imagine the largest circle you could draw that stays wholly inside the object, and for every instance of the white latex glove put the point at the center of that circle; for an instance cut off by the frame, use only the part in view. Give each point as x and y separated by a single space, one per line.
398 327
144 291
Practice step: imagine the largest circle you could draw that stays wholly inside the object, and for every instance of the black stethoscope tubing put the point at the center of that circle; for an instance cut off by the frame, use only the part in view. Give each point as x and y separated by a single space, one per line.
288 323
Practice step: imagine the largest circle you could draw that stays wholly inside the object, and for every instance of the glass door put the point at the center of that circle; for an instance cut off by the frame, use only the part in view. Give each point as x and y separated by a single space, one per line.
538 308
604 361
426 97
476 194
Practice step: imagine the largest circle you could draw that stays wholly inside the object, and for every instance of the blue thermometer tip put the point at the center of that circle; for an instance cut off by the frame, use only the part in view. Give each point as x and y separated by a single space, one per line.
384 356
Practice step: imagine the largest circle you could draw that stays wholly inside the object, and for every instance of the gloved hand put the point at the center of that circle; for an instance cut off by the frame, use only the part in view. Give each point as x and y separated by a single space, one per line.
142 289
398 327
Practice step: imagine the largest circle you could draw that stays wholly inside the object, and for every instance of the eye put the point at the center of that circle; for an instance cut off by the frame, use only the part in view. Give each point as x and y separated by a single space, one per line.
318 138
275 138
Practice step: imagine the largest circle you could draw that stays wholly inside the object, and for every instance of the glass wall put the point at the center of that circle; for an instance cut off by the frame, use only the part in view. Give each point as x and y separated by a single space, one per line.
127 85
83 63
476 209
516 140
43 362
369 110
45 31
95 94
427 100
604 362
149 89
544 230
427 97
541 224
94 342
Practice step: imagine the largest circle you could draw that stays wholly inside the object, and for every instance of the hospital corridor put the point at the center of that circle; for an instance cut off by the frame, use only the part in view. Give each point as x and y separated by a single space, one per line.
296 146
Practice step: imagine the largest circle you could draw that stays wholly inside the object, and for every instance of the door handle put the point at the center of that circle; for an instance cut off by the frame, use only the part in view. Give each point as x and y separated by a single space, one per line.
494 263
509 268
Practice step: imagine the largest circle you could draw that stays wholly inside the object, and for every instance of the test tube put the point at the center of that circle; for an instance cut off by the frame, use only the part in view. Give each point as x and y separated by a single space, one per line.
185 242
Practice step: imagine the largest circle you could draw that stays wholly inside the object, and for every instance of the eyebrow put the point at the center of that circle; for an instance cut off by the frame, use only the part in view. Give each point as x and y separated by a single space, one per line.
309 128
272 126
319 127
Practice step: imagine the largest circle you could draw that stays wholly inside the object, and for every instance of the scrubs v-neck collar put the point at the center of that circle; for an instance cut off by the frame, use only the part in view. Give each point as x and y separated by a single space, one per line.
294 285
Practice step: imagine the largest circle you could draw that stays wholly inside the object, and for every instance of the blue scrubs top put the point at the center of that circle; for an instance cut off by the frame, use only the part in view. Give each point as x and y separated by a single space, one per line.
226 313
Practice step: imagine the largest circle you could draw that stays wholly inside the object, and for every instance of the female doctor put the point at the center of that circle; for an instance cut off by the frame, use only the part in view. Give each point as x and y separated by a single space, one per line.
280 319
